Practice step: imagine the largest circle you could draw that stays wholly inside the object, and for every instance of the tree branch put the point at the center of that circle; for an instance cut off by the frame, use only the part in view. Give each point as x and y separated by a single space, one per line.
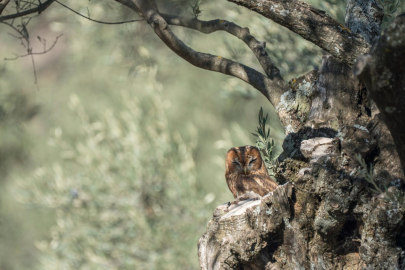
30 53
271 89
40 8
93 20
207 27
3 4
313 25
383 73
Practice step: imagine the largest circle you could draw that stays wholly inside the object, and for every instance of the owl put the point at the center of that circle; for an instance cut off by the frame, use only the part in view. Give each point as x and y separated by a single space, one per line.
246 171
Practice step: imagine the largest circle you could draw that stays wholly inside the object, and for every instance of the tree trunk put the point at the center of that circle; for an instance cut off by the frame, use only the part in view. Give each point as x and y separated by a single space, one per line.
329 218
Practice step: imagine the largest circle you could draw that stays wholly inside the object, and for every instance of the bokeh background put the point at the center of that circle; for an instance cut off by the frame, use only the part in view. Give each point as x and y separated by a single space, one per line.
115 158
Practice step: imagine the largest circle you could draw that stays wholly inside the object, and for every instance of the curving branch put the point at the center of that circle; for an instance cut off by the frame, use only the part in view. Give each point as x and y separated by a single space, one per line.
272 89
208 27
312 24
3 4
93 20
31 53
38 9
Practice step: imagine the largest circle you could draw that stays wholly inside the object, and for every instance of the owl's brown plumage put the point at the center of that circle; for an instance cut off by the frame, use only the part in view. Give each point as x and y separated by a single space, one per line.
246 171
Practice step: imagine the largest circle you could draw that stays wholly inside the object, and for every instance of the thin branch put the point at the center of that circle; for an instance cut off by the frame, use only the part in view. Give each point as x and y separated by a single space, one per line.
207 27
36 53
3 5
40 8
24 36
29 2
35 71
88 17
26 4
312 24
16 30
14 36
271 89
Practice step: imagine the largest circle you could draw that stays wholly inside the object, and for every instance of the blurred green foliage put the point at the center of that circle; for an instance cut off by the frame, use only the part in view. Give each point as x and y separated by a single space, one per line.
16 237
125 193
118 160
15 110
390 6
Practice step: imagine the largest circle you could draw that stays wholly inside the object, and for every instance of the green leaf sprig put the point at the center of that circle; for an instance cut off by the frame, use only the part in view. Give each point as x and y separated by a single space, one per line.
265 143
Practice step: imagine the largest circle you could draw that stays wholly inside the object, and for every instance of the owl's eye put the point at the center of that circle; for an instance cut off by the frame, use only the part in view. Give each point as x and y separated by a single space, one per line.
253 160
236 163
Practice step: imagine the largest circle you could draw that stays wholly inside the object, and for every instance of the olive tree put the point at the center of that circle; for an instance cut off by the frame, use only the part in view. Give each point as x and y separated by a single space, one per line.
340 202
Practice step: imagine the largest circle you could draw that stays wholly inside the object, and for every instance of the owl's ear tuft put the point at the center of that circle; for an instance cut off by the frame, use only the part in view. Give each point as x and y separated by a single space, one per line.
231 154
232 149
254 149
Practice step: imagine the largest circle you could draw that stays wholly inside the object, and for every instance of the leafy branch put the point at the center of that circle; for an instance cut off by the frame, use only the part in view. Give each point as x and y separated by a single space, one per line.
390 6
265 144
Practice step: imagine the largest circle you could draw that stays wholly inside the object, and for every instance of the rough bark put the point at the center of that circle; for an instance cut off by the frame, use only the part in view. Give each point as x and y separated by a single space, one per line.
335 221
245 235
383 72
312 24
364 18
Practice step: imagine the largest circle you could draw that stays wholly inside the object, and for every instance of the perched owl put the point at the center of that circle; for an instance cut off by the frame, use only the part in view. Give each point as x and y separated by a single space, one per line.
246 171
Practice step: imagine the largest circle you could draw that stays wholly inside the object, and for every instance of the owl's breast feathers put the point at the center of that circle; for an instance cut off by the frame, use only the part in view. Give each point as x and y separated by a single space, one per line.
259 184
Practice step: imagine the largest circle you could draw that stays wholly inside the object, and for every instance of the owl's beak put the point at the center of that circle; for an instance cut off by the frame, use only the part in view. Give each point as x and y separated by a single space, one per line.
245 169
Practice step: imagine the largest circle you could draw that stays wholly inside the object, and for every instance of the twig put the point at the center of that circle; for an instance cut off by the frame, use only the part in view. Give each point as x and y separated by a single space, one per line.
15 29
97 21
3 5
35 72
40 8
24 36
37 53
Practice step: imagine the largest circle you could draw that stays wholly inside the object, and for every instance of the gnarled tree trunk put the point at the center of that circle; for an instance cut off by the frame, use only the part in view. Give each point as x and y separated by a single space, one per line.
329 218
324 215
